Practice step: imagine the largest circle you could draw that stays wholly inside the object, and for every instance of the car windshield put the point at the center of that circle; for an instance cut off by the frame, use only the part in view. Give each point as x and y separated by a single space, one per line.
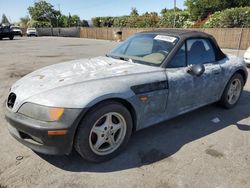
149 49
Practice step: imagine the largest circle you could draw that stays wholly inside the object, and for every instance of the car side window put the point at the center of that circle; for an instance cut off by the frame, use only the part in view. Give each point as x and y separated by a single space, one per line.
199 51
179 59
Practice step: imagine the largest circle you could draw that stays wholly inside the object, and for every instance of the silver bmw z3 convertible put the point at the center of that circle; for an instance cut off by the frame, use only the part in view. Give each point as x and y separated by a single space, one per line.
94 105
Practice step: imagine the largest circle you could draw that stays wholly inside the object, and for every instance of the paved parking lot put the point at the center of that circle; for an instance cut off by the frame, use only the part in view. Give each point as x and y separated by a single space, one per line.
188 151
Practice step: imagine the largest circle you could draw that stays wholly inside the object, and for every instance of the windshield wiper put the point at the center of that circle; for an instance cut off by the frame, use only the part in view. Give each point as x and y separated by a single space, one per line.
121 58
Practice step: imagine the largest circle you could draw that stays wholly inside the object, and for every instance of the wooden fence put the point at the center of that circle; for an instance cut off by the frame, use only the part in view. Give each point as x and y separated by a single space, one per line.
232 38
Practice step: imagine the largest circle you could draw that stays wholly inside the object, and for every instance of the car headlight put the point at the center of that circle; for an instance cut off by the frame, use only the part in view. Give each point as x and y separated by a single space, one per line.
40 112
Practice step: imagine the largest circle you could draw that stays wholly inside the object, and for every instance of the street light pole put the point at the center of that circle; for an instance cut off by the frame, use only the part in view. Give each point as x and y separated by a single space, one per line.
174 13
58 17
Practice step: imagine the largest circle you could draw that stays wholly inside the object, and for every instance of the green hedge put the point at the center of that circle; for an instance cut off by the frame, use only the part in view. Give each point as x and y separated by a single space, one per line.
234 17
120 21
145 20
34 23
181 19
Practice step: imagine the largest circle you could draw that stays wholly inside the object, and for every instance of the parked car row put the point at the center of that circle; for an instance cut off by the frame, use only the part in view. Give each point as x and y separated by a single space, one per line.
12 31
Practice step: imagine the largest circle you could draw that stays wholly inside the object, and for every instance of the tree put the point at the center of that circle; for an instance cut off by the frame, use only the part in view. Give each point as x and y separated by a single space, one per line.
44 12
84 23
24 21
165 10
228 18
63 21
69 20
150 19
180 17
96 21
5 20
75 21
201 9
134 12
120 21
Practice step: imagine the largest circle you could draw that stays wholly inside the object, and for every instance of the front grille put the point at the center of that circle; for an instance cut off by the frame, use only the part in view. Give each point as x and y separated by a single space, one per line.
11 100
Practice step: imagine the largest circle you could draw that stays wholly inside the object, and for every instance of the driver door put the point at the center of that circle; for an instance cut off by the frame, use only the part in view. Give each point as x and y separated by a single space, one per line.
187 91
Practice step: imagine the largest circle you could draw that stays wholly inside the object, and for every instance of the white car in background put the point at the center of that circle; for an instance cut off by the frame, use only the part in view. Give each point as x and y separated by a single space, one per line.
31 32
247 57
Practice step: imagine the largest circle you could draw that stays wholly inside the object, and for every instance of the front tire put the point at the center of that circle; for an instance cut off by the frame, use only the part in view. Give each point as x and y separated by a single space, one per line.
104 132
233 91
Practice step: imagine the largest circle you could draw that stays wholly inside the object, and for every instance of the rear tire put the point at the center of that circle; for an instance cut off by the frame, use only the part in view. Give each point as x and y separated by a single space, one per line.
11 37
232 92
104 132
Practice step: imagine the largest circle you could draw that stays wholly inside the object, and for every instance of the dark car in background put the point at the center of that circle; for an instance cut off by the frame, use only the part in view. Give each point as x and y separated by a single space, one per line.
6 32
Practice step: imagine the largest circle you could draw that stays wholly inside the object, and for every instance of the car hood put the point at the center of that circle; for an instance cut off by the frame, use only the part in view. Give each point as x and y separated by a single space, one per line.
75 72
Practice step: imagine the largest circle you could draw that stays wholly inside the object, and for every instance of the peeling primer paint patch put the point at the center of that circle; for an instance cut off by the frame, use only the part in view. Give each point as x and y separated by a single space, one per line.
39 76
216 120
96 66
81 72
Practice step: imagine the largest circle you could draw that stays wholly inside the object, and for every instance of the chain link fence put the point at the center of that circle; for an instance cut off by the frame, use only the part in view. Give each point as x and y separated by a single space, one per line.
60 32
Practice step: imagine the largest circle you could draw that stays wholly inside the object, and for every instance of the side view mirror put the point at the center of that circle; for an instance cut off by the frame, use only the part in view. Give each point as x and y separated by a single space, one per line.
196 70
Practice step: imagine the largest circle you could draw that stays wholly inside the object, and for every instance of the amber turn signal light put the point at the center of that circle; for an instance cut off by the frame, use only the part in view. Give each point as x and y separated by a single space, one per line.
58 132
143 98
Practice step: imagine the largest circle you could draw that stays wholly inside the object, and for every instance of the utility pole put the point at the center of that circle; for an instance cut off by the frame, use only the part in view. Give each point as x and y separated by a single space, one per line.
174 13
58 17
59 7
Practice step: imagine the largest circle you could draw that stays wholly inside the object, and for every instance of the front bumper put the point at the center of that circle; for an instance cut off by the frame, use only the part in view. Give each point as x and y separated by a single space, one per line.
247 60
34 134
31 34
18 33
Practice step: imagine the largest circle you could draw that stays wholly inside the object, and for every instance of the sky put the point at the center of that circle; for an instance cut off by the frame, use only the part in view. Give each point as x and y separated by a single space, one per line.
86 9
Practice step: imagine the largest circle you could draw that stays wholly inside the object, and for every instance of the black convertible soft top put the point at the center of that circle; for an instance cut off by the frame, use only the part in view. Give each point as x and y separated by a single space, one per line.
184 34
